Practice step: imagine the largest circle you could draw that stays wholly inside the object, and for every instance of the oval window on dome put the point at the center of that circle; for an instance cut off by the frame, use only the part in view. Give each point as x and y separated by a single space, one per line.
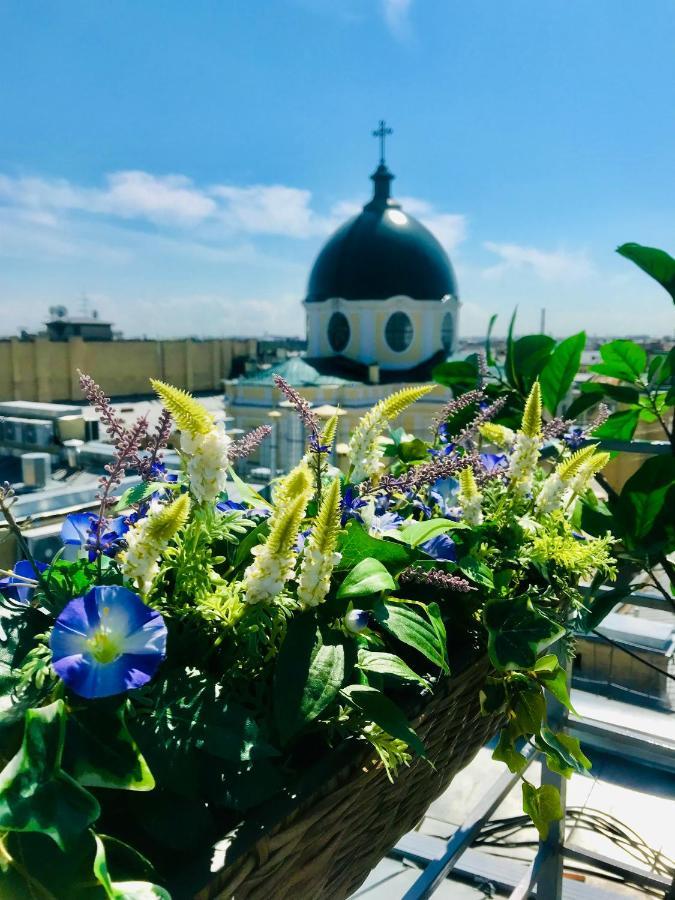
448 332
399 332
338 331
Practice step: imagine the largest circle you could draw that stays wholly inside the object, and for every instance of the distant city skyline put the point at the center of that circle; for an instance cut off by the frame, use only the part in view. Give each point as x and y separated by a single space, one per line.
182 167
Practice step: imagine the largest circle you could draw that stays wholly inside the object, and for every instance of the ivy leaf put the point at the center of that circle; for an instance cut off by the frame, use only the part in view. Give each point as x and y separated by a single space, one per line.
563 753
368 577
558 374
621 359
542 805
493 696
517 632
412 629
555 682
35 793
355 544
388 664
309 674
123 890
528 707
506 752
378 708
657 263
100 751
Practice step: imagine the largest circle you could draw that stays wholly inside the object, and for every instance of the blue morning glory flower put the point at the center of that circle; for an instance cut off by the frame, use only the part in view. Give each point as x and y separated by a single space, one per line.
494 462
81 529
301 540
444 494
230 506
351 503
107 642
159 472
388 521
441 548
17 588
574 438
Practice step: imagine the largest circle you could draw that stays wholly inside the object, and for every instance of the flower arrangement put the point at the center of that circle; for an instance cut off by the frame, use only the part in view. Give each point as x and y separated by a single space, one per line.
196 655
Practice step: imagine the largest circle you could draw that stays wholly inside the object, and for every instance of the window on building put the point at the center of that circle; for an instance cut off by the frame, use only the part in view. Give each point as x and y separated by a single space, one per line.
338 331
399 332
447 331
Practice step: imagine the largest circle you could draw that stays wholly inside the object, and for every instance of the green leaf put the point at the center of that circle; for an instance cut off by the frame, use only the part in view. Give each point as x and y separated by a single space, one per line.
493 696
247 494
542 805
256 536
417 533
355 544
123 890
517 632
489 357
506 752
100 751
35 793
368 577
412 450
646 499
509 367
412 629
563 753
309 674
621 359
388 664
657 263
476 570
138 493
546 664
621 393
559 372
528 707
530 354
620 426
583 402
378 708
461 376
555 682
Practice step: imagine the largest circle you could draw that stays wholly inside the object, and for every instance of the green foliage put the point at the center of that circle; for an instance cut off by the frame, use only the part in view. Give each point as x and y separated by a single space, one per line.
355 543
367 577
542 805
165 524
417 533
309 675
140 492
657 263
123 890
378 708
409 627
560 370
388 664
517 632
100 751
526 359
36 795
621 359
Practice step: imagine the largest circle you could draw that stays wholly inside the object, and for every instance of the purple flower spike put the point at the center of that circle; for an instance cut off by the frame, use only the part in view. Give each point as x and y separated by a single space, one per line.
107 642
16 587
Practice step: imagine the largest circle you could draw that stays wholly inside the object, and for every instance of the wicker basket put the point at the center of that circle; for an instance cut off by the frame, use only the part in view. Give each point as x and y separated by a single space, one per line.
326 847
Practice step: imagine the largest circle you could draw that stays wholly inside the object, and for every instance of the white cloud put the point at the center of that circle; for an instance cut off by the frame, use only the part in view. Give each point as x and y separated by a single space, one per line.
449 228
269 209
548 265
396 15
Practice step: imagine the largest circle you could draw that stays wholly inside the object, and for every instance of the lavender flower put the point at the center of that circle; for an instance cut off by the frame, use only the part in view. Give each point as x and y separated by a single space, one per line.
452 407
435 578
246 445
301 405
486 413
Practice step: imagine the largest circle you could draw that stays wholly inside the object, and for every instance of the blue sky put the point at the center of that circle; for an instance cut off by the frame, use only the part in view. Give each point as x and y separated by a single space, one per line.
182 163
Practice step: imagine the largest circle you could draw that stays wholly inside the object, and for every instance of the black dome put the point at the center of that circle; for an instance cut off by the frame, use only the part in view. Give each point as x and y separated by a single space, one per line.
381 253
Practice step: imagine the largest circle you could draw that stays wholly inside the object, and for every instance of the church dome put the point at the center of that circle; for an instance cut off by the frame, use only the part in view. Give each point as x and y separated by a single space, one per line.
382 252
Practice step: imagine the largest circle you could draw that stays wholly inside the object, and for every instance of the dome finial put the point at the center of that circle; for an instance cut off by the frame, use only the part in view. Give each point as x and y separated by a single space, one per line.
382 132
382 177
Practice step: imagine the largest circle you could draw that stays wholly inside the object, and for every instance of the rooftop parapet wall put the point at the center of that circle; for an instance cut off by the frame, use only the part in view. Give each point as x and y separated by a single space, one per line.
43 370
